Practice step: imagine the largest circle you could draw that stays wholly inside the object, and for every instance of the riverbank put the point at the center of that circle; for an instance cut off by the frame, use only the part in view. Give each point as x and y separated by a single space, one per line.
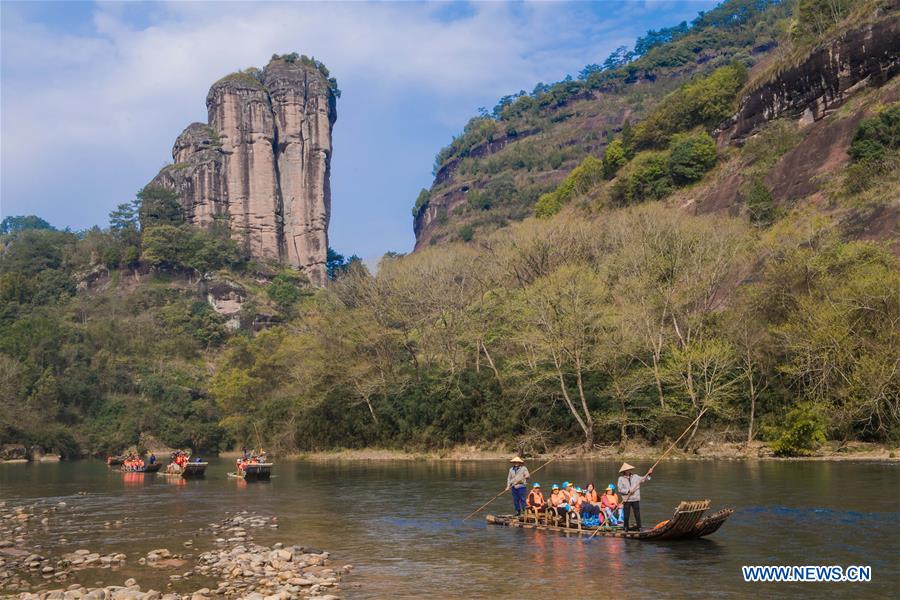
32 566
831 451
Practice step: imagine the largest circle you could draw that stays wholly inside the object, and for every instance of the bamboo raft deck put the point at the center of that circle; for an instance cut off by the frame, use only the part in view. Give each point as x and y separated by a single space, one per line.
254 472
687 523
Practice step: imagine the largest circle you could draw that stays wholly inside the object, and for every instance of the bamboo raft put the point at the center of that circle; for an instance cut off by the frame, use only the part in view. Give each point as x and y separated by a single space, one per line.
190 470
254 472
687 523
194 469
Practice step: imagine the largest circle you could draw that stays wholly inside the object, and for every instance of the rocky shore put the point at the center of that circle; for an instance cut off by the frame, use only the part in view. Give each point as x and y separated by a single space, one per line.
239 567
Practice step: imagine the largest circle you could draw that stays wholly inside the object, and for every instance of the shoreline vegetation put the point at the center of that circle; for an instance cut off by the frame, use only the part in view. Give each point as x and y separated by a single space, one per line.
831 451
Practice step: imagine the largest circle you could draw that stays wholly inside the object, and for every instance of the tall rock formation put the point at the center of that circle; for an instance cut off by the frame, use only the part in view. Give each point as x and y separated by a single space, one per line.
262 163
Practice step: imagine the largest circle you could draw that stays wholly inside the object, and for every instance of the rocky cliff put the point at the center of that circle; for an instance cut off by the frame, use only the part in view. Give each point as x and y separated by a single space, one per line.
823 80
262 163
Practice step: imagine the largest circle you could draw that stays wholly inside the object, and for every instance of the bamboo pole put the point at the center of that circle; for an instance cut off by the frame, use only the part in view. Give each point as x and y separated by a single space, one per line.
659 460
483 506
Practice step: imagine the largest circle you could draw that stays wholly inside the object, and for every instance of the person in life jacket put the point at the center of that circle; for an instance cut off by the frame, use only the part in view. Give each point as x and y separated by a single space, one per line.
611 506
536 498
590 494
569 491
587 509
558 501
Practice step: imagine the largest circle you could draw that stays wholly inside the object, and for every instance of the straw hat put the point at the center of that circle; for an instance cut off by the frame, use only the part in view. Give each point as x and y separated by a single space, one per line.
626 467
517 459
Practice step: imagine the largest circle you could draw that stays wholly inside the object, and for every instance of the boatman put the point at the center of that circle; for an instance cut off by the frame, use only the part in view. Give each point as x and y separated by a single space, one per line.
515 481
630 487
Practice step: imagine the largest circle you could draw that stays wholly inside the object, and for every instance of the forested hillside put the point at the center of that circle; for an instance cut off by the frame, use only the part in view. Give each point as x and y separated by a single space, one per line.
109 333
712 243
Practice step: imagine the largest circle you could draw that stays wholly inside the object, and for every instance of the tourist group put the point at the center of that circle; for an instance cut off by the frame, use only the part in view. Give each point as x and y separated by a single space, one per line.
593 508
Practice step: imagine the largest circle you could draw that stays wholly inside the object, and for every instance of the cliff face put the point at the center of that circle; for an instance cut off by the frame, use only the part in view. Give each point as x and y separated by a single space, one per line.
262 163
818 85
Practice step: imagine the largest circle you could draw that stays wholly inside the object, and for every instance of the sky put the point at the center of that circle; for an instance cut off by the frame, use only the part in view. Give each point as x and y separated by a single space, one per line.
93 94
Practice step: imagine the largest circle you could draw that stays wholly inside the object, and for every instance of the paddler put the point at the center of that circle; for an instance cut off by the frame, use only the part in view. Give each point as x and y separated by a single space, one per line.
515 481
629 486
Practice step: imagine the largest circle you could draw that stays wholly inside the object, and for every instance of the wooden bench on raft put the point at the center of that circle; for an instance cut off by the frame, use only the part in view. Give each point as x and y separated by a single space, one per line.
550 517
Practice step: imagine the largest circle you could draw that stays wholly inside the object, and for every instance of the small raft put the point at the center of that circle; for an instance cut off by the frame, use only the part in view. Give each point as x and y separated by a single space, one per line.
145 469
189 471
687 523
254 472
194 469
113 461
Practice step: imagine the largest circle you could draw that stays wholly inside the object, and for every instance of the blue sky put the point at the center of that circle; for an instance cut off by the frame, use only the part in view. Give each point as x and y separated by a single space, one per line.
92 95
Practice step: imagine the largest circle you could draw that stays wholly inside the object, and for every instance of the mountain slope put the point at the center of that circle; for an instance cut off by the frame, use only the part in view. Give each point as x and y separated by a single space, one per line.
801 67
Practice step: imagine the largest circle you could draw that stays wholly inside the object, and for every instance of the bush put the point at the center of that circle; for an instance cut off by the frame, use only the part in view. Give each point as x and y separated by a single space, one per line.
466 233
284 291
421 202
645 178
877 135
862 175
803 432
691 155
760 204
613 158
581 180
547 205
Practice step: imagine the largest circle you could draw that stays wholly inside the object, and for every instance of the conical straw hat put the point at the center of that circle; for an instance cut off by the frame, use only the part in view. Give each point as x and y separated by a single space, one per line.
516 459
626 467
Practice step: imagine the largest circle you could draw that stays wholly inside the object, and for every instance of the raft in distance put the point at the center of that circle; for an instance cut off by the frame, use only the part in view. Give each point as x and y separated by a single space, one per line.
254 472
687 523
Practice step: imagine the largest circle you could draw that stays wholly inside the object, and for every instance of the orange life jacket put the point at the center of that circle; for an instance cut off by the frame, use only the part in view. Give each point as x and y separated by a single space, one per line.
536 499
610 500
557 499
592 496
576 500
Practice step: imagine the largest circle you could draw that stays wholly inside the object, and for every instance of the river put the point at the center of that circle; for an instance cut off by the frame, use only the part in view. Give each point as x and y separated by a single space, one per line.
400 524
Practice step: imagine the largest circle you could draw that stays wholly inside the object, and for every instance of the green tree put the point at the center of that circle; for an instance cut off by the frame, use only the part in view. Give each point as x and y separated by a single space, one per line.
284 291
691 155
21 223
562 323
159 206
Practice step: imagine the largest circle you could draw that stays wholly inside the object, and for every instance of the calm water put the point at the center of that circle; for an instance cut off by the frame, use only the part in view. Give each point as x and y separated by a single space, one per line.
399 523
